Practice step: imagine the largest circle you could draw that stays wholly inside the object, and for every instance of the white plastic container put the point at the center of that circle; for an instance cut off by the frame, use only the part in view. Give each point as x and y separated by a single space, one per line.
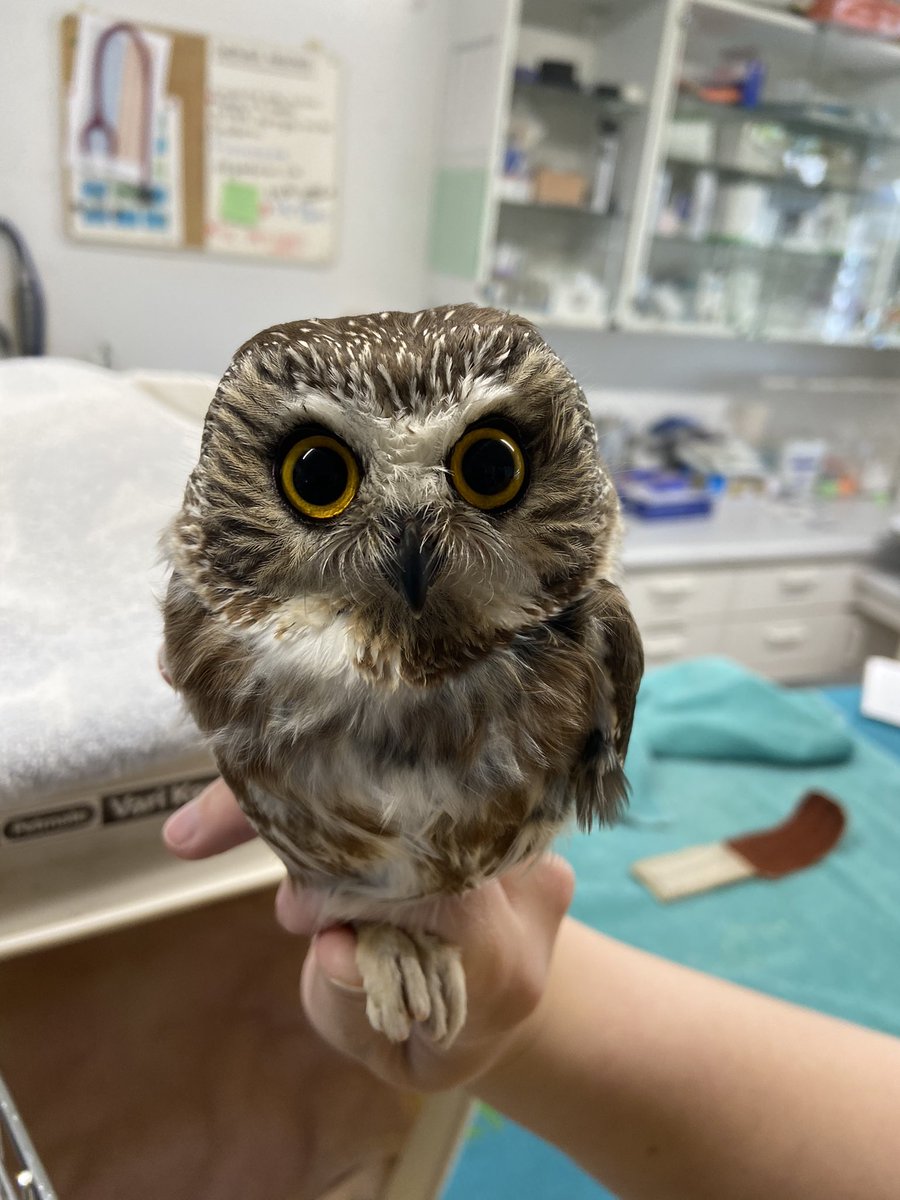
757 146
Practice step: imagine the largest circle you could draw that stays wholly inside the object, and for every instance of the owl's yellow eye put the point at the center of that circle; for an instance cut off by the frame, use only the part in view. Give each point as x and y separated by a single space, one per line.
488 467
319 475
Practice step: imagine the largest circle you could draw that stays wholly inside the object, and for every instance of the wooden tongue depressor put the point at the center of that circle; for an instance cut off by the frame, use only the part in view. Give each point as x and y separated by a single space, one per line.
809 833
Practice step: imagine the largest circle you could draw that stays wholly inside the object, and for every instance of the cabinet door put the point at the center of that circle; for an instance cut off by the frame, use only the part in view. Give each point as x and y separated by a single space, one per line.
773 187
793 646
791 586
665 643
660 597
542 149
481 36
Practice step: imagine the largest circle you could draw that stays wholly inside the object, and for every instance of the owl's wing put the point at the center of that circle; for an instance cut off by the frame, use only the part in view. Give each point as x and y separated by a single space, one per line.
598 778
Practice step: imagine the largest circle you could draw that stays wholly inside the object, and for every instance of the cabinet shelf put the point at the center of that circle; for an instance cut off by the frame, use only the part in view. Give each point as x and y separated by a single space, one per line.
804 119
848 49
550 321
576 209
577 99
780 180
689 328
724 243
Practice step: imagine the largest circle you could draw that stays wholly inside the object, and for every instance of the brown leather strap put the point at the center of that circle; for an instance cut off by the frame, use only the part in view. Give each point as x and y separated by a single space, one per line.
813 828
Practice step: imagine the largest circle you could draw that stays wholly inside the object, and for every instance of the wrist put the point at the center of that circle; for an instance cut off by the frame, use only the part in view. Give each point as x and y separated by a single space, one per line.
522 1046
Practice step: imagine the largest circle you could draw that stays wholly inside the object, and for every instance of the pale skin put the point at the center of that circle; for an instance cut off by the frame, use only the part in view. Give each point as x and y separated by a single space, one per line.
663 1083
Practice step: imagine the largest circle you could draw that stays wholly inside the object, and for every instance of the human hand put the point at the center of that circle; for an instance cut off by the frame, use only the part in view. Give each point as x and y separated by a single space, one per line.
505 931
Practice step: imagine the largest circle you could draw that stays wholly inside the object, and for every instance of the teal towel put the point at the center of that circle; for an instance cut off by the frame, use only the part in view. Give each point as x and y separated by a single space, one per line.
826 937
713 708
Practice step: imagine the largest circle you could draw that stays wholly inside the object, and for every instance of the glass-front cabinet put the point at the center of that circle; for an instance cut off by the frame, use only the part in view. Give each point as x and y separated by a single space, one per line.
773 208
707 166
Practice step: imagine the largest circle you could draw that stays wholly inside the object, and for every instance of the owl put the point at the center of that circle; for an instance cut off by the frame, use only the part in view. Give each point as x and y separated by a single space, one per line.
390 612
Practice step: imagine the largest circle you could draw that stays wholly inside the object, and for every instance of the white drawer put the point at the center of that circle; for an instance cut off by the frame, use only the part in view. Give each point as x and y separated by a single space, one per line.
666 596
793 646
791 585
680 639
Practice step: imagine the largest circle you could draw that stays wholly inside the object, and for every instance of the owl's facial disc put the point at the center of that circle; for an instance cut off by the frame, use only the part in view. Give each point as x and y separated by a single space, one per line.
427 481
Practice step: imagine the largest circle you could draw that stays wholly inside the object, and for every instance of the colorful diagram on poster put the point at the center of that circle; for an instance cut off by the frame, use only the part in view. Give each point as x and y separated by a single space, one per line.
123 136
182 141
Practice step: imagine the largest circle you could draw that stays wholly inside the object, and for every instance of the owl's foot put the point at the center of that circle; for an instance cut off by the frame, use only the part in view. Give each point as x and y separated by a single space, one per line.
411 977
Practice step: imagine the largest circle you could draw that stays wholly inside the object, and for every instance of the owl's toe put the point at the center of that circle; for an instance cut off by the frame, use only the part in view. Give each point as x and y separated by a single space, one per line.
411 977
396 991
452 992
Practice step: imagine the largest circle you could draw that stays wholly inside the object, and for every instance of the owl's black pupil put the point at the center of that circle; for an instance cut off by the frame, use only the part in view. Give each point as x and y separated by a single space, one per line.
488 466
320 476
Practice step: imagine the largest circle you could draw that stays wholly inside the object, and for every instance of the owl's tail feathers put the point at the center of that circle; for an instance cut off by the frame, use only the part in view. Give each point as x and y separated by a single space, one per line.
599 784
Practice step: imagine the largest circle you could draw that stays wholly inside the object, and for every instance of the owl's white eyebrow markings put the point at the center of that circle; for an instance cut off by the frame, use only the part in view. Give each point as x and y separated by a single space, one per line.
389 380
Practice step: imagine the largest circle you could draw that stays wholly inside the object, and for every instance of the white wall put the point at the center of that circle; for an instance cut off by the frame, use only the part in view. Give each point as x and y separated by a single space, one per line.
187 310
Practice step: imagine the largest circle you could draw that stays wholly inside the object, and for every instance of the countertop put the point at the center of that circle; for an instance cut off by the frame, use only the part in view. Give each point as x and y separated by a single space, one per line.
749 530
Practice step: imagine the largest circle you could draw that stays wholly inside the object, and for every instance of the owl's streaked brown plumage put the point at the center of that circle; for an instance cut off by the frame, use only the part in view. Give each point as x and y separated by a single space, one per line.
413 694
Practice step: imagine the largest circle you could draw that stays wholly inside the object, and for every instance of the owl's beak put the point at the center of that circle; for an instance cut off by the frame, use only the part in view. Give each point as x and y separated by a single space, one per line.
414 566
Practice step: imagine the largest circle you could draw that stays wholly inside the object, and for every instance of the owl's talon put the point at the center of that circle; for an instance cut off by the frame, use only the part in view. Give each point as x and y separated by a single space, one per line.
436 1024
411 977
452 989
415 988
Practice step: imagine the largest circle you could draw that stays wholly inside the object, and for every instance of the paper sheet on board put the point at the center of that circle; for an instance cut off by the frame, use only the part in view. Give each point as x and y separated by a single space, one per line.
271 151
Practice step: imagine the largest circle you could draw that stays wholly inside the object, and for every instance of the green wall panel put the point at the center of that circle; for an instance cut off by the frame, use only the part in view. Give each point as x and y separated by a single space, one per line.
456 221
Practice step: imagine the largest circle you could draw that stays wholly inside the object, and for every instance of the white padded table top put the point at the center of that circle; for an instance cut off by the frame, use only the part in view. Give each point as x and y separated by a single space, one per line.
91 469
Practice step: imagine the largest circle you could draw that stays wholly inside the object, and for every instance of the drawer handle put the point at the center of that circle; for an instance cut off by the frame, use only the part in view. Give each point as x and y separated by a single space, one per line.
676 587
798 581
784 636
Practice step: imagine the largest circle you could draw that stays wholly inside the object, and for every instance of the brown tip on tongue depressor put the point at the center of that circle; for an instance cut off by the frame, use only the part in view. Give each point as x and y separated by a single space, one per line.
809 833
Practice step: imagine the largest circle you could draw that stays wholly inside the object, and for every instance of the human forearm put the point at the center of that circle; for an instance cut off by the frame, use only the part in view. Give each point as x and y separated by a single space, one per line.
665 1083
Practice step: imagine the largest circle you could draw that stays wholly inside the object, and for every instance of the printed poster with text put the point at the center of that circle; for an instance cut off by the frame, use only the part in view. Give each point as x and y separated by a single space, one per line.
271 151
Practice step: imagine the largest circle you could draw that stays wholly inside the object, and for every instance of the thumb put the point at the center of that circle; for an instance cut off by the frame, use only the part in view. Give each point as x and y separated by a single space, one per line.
209 824
332 993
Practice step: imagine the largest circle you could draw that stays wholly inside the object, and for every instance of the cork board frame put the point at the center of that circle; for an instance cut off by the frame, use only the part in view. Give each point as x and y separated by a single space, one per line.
184 141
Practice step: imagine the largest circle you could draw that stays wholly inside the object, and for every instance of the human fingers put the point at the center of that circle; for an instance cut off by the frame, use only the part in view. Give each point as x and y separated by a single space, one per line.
299 909
505 932
209 824
335 1002
486 923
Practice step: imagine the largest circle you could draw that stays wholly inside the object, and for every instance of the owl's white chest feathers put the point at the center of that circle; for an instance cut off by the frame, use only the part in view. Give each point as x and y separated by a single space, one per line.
368 757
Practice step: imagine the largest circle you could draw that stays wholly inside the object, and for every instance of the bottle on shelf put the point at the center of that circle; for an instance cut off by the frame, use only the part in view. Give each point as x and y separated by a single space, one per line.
605 170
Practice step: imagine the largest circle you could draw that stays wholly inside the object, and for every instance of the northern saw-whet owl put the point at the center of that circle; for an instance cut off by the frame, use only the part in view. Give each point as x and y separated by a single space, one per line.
390 612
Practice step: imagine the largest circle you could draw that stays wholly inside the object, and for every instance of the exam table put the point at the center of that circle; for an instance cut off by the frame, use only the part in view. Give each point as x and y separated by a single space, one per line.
150 1032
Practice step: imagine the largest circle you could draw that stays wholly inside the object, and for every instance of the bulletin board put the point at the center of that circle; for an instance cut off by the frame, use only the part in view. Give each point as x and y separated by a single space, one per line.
180 141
